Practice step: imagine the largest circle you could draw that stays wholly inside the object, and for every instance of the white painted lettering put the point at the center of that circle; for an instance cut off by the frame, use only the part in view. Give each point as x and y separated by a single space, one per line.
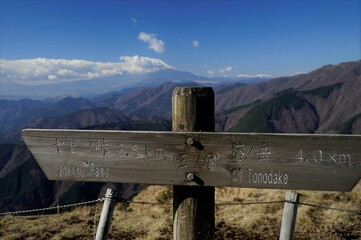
267 177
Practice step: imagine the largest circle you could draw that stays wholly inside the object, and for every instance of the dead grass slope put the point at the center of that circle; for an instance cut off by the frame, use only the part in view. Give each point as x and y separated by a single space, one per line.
248 221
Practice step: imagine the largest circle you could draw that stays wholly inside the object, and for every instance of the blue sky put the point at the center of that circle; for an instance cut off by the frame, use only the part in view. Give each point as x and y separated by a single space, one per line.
208 38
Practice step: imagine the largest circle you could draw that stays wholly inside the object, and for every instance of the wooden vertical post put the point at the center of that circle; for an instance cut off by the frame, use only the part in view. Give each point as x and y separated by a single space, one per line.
193 206
289 216
106 215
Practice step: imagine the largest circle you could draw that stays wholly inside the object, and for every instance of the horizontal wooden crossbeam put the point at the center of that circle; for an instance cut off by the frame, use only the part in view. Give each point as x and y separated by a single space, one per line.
274 161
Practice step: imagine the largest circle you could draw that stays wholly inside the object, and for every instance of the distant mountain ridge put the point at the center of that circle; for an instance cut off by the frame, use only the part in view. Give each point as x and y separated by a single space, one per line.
324 101
144 102
116 83
329 94
15 115
324 76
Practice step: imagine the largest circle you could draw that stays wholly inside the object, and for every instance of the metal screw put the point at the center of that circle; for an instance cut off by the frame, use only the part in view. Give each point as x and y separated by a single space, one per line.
190 176
190 141
194 142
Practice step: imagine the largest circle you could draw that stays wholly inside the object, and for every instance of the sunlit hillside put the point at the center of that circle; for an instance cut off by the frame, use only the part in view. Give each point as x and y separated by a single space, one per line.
247 218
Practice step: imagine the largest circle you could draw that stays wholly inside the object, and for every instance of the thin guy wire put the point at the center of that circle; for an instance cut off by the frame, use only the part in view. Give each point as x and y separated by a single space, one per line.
149 203
247 203
252 203
331 208
51 208
170 204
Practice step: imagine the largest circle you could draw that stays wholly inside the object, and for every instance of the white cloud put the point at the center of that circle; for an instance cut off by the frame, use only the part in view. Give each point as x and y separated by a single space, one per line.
138 64
225 69
210 73
254 76
41 71
195 43
155 44
52 77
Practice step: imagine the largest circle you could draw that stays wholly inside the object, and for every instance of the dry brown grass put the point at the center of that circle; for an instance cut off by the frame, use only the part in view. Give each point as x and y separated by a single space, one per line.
264 220
68 225
144 221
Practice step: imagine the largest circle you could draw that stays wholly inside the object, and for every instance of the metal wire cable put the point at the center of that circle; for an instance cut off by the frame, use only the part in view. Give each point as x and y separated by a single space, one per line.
250 203
331 208
52 208
143 202
170 204
247 203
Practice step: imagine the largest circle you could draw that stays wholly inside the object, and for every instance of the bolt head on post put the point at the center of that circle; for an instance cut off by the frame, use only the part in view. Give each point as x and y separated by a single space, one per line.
190 176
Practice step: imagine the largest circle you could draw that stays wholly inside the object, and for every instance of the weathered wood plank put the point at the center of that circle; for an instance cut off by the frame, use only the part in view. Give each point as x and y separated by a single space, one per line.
279 161
193 206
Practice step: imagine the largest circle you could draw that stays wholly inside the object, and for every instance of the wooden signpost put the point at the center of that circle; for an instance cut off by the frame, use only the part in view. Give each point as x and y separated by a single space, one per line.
189 157
277 161
193 206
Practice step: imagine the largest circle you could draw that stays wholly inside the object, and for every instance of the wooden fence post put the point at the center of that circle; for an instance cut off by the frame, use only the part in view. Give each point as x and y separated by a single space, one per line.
106 215
193 206
289 216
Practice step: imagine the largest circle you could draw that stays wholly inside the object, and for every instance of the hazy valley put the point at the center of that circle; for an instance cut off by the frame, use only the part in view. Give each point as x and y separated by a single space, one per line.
323 101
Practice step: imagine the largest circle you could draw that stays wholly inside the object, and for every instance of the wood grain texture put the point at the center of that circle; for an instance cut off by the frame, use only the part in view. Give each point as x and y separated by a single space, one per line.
277 161
193 206
193 109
